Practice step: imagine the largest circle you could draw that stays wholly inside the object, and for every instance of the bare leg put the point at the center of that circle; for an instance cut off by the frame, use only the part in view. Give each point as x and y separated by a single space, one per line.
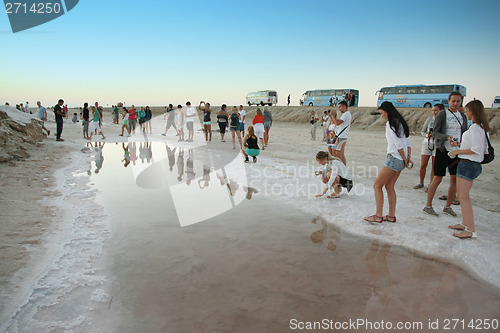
463 189
452 190
423 167
384 177
432 189
391 193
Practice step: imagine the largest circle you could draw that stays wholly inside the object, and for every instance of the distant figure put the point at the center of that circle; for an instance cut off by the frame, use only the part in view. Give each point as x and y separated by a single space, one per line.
22 108
223 121
86 120
207 120
42 115
341 131
335 100
75 118
428 147
58 112
115 113
258 123
268 122
132 119
180 123
170 120
243 116
398 157
141 114
28 108
7 103
234 126
125 118
97 118
301 102
65 110
331 101
147 125
190 115
288 100
250 146
325 122
314 125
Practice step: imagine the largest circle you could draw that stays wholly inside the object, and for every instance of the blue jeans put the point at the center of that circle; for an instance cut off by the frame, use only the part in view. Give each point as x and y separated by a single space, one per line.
59 126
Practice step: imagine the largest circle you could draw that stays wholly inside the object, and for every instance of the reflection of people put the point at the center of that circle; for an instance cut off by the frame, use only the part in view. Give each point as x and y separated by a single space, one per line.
190 167
171 157
327 232
206 176
398 157
335 174
471 154
250 191
180 164
99 159
126 155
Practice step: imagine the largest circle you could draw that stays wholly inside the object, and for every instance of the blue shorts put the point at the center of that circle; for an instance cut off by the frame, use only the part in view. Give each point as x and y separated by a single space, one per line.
394 163
234 128
469 170
242 127
252 152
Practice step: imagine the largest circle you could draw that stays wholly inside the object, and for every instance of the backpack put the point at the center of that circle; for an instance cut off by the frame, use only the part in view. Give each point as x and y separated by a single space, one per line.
235 120
491 153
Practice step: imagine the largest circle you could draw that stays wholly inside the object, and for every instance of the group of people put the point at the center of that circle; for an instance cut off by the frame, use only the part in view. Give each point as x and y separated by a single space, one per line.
456 140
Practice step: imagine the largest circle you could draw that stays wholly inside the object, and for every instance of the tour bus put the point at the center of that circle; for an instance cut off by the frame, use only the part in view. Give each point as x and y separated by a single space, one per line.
321 97
262 97
418 96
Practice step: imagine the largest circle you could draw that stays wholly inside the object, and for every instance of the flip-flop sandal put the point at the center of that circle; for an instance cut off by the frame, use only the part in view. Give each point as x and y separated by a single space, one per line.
416 187
455 202
460 227
443 197
374 218
391 219
472 234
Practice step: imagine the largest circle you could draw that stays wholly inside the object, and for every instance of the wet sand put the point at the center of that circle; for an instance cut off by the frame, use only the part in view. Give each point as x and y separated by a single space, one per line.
249 268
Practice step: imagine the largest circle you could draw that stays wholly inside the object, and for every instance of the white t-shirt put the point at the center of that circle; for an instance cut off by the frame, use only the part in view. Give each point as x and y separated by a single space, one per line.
394 142
190 114
475 139
453 127
346 117
338 169
242 116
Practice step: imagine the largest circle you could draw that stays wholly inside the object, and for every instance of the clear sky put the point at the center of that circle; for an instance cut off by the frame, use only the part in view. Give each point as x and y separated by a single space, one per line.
157 52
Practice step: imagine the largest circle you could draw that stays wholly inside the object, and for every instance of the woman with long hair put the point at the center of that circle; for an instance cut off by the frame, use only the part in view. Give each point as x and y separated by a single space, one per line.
250 146
222 120
258 123
207 121
398 157
471 154
125 122
334 174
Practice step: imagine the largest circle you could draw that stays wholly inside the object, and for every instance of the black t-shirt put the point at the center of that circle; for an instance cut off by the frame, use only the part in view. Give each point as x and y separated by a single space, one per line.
206 116
58 112
85 114
252 142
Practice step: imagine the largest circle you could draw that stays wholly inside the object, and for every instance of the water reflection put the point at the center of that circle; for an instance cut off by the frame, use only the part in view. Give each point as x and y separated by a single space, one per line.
327 233
164 166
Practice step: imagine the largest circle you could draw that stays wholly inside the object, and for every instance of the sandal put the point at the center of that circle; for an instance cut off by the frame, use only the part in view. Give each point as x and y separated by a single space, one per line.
460 227
455 202
416 187
389 218
472 234
374 218
333 196
443 197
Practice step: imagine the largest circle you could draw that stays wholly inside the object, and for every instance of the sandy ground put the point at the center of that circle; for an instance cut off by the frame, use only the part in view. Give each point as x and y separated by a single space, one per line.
29 216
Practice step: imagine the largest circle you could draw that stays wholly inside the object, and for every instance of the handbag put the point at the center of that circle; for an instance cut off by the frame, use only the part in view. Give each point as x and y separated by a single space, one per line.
490 156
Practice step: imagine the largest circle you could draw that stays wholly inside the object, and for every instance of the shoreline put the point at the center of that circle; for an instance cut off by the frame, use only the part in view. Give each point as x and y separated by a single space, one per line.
279 153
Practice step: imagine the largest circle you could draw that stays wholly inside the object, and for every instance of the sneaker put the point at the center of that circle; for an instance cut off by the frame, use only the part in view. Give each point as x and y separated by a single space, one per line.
416 187
449 211
247 160
430 211
163 134
254 159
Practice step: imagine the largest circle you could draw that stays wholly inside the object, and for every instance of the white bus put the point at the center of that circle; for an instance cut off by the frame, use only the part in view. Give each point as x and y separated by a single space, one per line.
262 97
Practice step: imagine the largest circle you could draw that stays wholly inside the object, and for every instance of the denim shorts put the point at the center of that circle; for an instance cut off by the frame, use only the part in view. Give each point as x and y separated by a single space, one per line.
394 163
469 170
